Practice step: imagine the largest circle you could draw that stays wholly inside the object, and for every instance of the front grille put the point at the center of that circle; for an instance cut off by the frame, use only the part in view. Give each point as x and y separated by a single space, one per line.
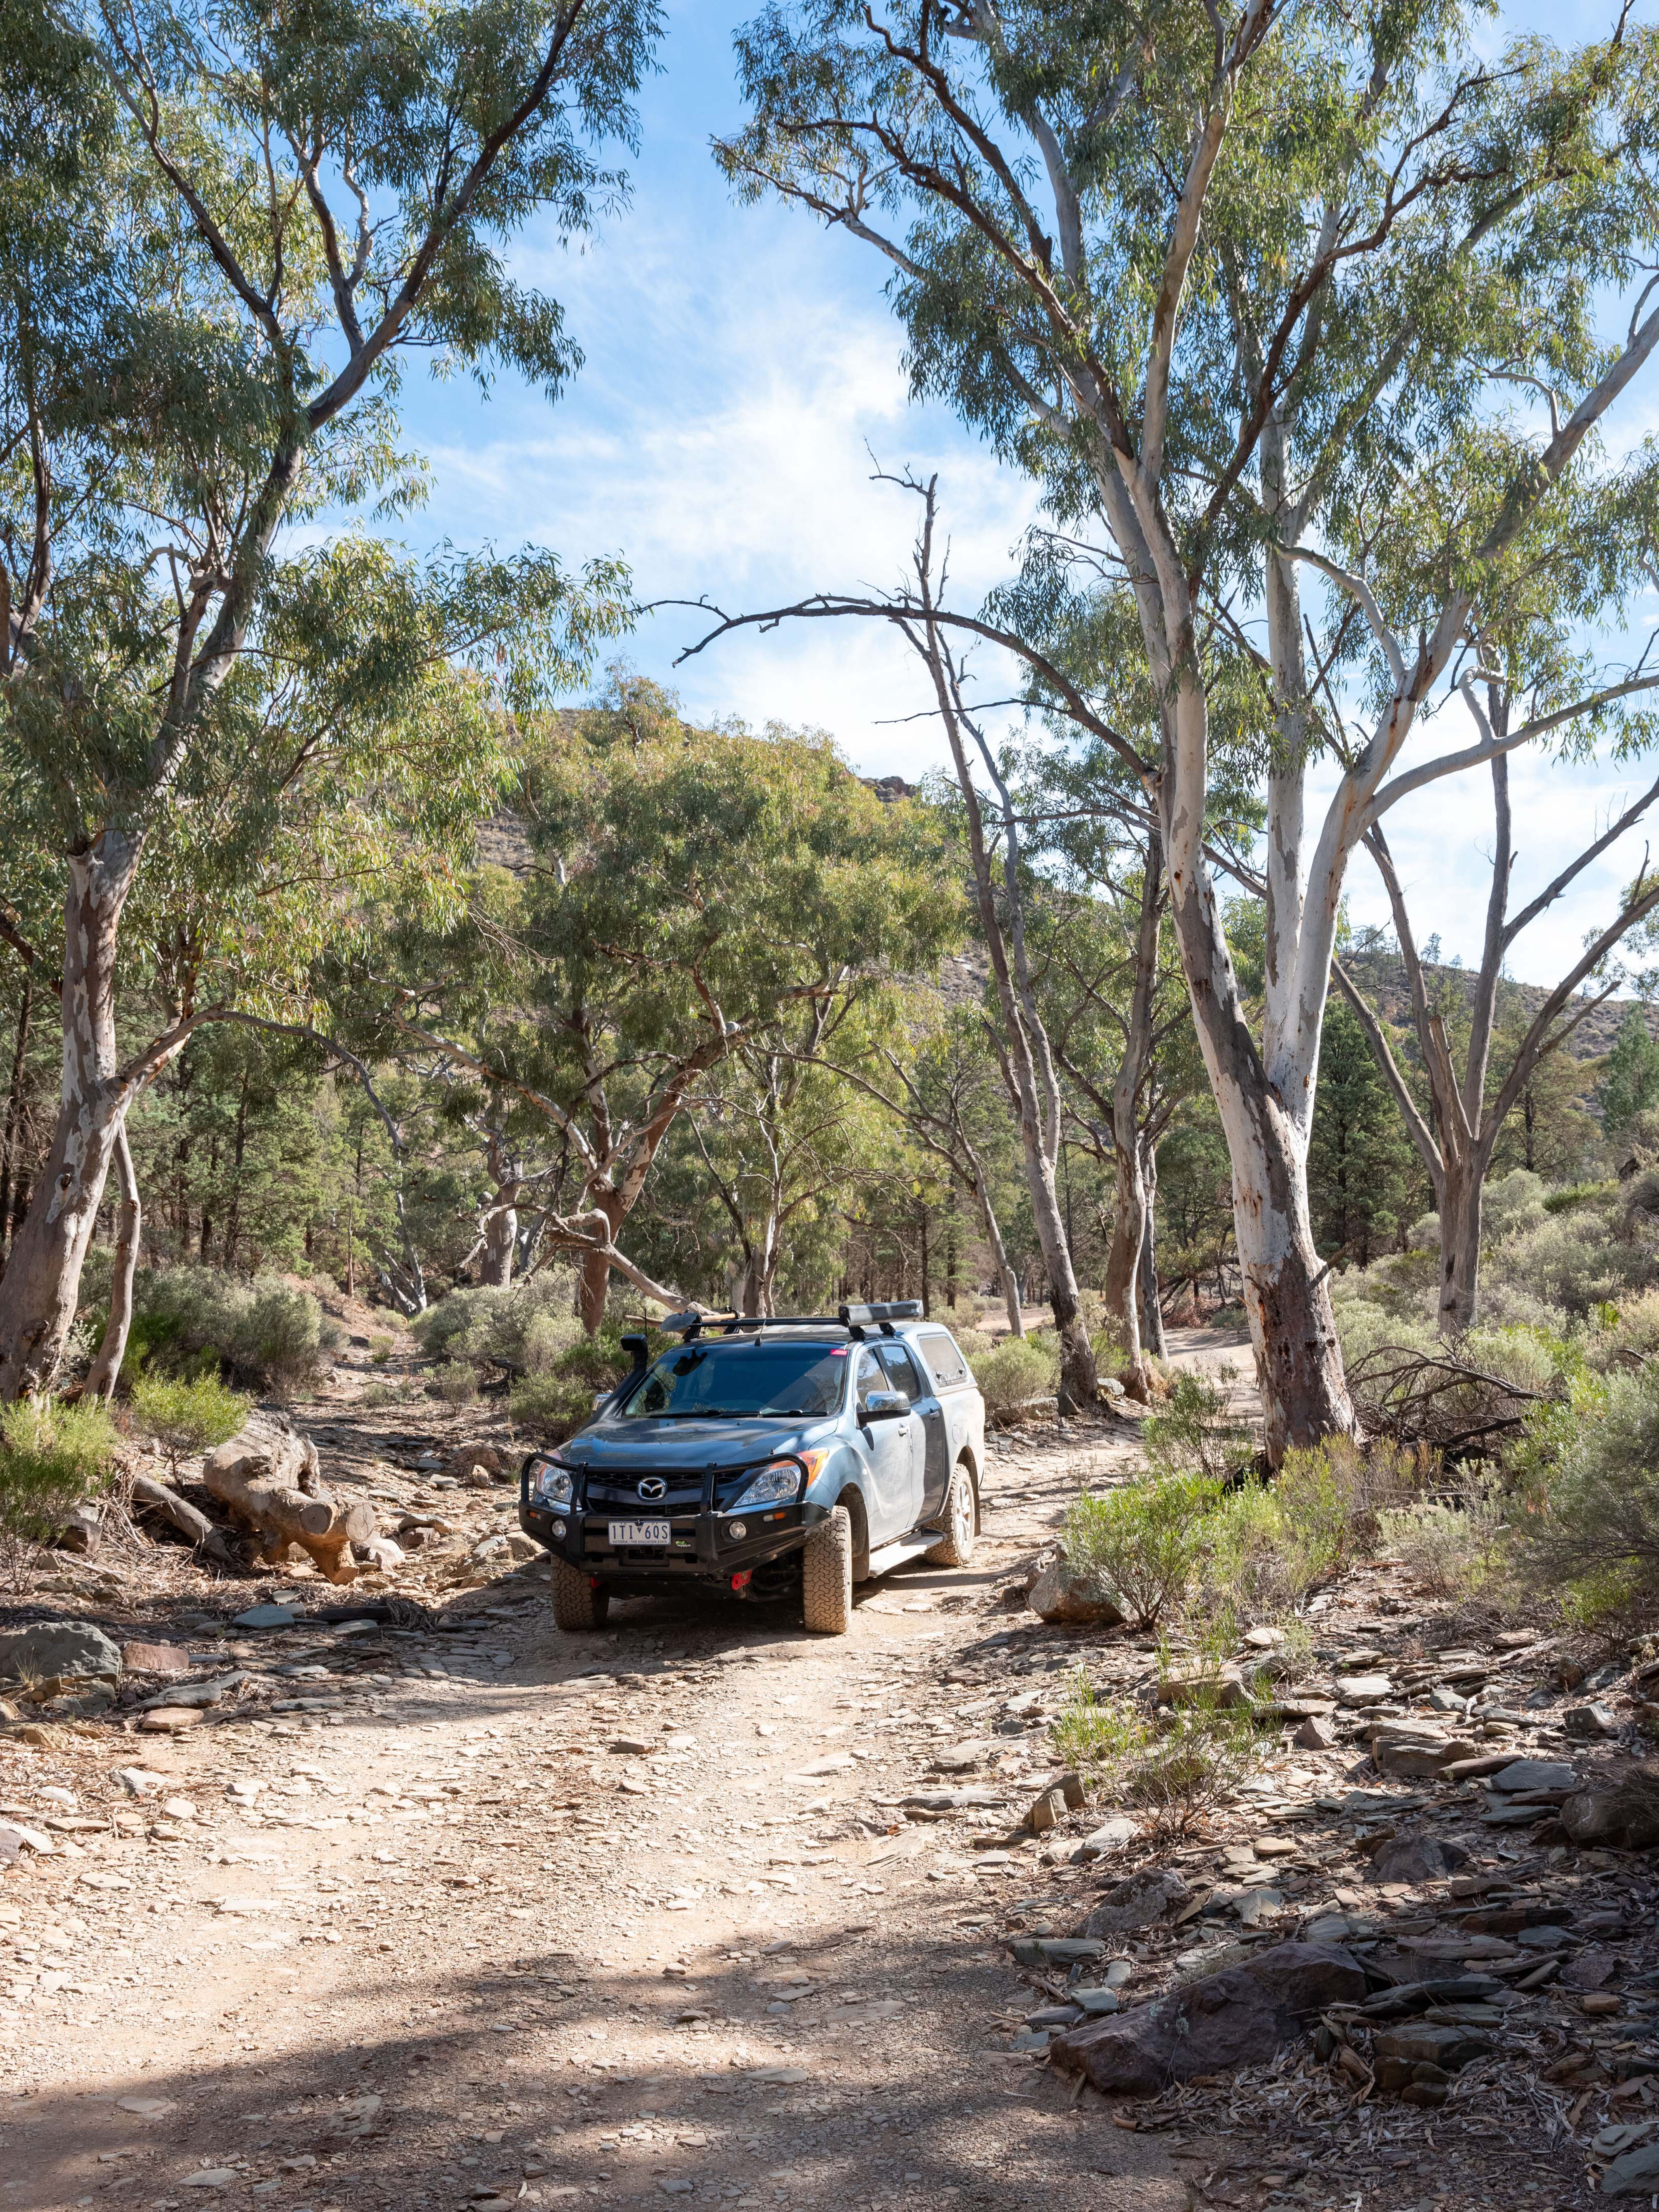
620 1494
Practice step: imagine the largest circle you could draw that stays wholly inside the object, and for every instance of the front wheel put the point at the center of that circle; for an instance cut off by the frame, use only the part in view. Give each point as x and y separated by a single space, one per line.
578 1600
956 1547
827 1575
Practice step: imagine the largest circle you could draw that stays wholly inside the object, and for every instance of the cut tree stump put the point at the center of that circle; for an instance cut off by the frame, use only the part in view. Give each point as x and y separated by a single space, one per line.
212 1543
267 1476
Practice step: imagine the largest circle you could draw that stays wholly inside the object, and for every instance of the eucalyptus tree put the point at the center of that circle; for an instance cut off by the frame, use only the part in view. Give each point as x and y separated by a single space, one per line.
226 228
682 895
1212 274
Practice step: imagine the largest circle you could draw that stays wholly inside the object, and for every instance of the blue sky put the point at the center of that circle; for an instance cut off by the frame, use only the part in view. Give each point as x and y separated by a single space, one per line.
741 367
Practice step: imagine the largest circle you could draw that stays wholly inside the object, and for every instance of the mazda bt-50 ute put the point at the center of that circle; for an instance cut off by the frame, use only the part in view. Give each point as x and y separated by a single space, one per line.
764 1458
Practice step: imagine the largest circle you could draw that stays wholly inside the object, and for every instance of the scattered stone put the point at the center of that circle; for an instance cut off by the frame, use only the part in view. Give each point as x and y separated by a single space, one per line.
1599 2004
155 1658
1316 1735
1137 1901
1200 1685
383 1552
1239 2017
1413 1756
1046 1810
1097 2003
1056 1950
210 2176
1625 1812
1264 1639
1416 1858
147 2108
1634 2174
137 1783
1587 1722
16 1837
1524 1775
1066 1593
1111 1836
630 1746
266 1616
169 1720
1590 1971
1364 1689
58 1648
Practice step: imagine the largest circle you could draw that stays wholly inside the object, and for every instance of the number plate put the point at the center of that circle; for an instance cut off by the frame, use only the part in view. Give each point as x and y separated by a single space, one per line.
639 1532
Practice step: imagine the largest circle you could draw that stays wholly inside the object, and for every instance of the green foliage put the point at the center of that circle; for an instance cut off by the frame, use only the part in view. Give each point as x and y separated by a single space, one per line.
1449 1546
1359 1158
1630 1074
455 1383
1177 1767
1584 1535
554 1402
1013 1371
1145 1539
1195 1433
54 1457
187 1415
530 1323
265 1330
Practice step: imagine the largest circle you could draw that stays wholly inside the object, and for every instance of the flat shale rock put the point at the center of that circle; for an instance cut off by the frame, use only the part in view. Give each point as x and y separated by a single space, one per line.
1416 1858
1240 2017
1138 1901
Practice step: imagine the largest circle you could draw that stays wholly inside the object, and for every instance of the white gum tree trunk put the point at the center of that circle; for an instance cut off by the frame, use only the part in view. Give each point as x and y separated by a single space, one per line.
41 1285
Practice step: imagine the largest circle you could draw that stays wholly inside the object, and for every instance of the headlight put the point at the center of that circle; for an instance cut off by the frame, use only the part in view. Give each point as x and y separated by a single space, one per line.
771 1486
552 1485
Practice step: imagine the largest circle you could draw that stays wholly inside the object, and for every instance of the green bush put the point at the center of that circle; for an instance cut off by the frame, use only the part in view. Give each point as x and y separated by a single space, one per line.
558 1400
1146 1540
185 1416
380 1349
530 1323
1177 1767
1195 1433
1448 1544
455 1383
1016 1369
1585 1536
264 1331
54 1457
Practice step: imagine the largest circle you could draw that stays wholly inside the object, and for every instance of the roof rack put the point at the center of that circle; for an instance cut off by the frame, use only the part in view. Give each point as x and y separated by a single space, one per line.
855 1320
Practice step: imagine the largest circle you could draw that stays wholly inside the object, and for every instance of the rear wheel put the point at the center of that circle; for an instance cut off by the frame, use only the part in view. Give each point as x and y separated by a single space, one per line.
956 1548
578 1602
827 1575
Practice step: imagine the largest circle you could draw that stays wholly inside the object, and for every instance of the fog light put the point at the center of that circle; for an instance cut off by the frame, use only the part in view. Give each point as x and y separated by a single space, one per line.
558 1528
739 1530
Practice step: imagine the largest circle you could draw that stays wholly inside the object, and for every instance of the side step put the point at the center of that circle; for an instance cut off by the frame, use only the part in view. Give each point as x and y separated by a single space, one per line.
900 1553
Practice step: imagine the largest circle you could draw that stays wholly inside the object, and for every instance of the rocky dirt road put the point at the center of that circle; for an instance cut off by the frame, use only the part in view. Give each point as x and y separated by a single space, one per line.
441 1908
508 1916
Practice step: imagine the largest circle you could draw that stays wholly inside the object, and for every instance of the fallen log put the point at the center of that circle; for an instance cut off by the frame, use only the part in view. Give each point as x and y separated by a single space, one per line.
212 1543
267 1477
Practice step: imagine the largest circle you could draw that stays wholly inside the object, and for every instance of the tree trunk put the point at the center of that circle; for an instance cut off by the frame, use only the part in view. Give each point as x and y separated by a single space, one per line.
1151 1311
42 1281
1463 1186
267 1476
1007 1278
14 1106
593 1276
501 1244
1122 1287
106 1371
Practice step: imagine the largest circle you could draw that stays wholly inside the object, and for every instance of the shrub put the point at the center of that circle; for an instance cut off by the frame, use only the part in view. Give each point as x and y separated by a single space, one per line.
1586 1537
455 1383
1196 1434
492 1324
380 1349
54 1457
1145 1540
1017 1369
558 1400
265 1331
1177 1767
1448 1545
187 1417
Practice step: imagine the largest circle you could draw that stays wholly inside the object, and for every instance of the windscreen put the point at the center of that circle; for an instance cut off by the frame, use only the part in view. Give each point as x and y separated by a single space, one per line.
754 1378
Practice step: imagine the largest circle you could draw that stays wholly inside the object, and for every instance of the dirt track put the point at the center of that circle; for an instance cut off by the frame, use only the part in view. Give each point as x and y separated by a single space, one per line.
564 1969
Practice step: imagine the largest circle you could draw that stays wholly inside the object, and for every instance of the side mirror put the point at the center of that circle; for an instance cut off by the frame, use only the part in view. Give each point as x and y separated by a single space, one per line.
885 1405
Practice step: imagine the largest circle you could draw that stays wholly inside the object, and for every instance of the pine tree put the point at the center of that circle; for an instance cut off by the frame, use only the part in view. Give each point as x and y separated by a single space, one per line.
1359 1156
1630 1074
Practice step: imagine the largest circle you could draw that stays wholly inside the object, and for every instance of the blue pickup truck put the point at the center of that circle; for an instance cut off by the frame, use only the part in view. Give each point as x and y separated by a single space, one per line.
766 1459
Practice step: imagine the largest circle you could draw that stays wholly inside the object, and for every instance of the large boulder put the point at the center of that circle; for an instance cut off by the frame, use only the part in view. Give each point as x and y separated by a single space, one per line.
1624 1812
1063 1593
1241 2017
59 1649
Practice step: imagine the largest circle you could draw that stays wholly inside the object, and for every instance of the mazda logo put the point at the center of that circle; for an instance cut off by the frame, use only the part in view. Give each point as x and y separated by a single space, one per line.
654 1486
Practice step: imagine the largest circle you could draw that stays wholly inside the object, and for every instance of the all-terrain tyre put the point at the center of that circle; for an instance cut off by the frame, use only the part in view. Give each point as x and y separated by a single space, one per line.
576 1602
956 1548
826 1563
